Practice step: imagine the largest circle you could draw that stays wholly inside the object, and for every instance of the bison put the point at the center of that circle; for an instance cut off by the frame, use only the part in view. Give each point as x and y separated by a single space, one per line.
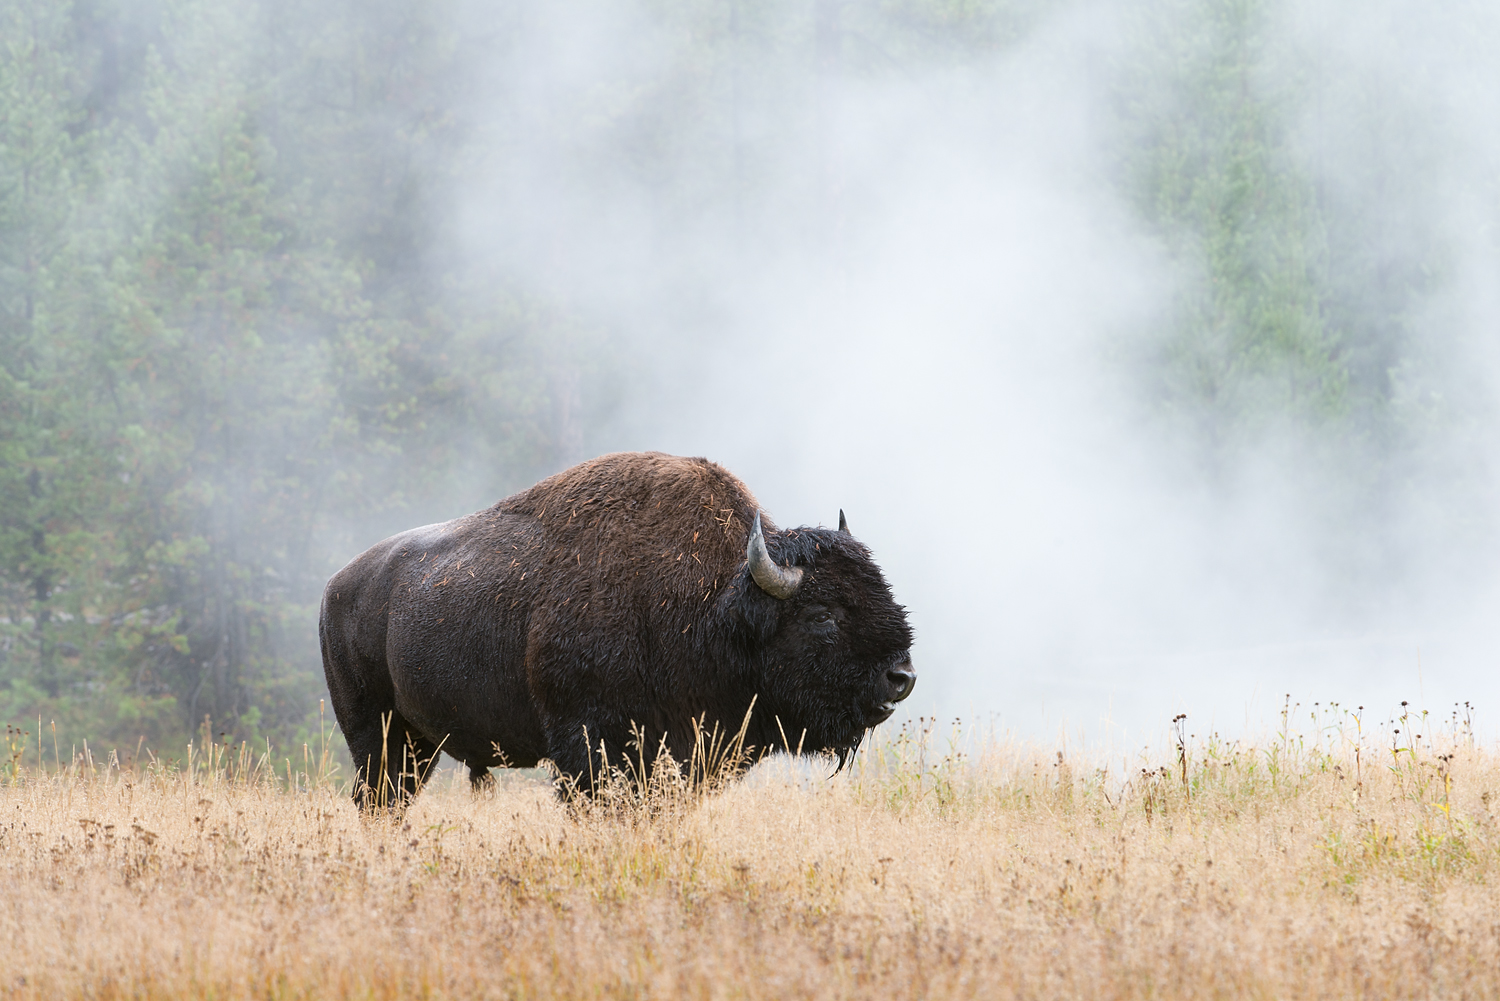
616 602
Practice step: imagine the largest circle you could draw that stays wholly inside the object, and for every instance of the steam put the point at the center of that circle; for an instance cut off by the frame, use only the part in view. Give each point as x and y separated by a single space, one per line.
918 289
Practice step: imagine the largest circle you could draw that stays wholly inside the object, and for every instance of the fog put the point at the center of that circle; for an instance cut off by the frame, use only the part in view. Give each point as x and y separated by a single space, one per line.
1149 344
919 285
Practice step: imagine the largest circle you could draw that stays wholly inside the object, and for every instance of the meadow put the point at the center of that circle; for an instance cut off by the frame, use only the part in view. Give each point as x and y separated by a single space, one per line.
1330 859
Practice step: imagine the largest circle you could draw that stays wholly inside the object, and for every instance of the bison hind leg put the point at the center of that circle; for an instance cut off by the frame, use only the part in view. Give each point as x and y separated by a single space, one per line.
392 761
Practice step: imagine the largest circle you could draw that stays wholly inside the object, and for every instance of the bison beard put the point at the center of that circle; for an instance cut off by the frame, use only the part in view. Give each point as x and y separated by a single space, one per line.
624 599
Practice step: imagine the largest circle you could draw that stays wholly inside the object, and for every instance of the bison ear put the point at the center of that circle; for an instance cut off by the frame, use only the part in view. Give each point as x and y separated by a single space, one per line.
843 525
778 582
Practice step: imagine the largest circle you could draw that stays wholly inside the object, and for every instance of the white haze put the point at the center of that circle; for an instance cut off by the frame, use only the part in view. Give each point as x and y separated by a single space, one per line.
917 297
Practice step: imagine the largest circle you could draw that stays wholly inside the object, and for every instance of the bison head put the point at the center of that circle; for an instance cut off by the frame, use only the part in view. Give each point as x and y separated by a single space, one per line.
832 644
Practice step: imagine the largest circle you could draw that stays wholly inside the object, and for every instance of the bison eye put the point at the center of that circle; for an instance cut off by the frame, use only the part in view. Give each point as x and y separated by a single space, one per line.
822 616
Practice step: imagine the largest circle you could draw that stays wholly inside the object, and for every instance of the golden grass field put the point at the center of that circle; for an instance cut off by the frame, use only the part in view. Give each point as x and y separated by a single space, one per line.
1330 863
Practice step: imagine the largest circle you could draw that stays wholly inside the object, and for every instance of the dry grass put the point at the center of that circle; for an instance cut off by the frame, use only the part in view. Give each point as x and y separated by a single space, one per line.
1311 866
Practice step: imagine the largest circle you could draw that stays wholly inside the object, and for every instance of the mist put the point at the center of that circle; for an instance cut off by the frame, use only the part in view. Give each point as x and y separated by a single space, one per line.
1149 344
916 286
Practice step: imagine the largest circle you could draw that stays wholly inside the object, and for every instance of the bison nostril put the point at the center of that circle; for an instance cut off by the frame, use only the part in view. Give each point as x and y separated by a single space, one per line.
902 682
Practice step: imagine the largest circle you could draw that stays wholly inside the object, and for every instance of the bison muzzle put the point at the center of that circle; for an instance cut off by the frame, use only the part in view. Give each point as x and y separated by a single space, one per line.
608 608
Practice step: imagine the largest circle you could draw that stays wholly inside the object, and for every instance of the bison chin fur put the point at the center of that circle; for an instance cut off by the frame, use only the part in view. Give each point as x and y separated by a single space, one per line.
634 604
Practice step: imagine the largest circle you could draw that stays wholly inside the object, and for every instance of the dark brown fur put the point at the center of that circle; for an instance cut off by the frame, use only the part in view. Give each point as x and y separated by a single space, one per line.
614 593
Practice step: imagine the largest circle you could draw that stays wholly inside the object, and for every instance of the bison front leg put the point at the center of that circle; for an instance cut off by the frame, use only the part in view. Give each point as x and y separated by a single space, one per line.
586 755
391 762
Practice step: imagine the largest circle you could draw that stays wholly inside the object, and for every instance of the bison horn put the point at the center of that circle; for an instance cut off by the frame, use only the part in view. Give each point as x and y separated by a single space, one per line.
843 525
778 582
